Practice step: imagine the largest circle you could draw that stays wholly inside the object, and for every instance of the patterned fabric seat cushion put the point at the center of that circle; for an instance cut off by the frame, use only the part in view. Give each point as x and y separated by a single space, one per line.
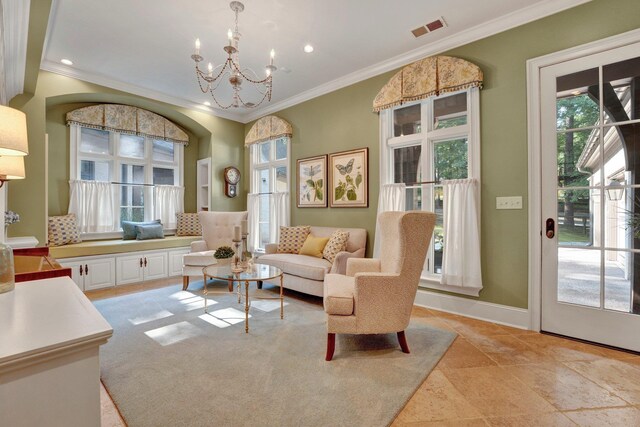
188 224
337 243
305 266
63 230
292 238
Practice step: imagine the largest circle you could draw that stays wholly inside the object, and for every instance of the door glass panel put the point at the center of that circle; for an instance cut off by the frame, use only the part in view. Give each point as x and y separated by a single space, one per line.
450 111
577 103
132 146
618 271
577 212
94 141
578 158
620 226
618 81
407 121
438 232
94 170
450 159
163 151
579 276
406 164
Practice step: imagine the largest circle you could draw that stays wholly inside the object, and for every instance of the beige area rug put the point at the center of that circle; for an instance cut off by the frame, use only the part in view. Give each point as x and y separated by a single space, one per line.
169 364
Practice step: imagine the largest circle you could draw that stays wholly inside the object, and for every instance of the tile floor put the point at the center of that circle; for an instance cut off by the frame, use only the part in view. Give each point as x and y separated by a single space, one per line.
494 375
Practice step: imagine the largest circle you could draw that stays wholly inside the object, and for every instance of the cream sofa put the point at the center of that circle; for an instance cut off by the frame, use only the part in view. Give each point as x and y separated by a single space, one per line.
306 273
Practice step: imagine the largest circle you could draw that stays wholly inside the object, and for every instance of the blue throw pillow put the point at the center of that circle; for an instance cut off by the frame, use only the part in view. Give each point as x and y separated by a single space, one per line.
129 228
151 231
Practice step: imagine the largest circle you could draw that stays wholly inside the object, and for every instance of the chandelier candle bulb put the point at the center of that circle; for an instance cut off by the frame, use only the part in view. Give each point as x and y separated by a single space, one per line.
197 46
236 233
273 55
243 224
210 68
229 36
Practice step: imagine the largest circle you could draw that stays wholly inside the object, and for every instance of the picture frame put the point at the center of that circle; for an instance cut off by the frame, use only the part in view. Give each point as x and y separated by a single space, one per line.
312 182
349 178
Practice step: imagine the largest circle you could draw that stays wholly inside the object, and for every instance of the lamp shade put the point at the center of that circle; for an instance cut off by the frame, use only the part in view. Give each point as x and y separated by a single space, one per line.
12 167
13 132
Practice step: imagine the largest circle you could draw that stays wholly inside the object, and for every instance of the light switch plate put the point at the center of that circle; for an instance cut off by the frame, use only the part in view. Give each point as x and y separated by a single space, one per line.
513 202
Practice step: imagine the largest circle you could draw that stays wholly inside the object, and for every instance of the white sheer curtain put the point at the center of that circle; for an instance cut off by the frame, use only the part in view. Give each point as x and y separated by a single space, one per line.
92 202
392 198
461 256
253 208
279 213
168 201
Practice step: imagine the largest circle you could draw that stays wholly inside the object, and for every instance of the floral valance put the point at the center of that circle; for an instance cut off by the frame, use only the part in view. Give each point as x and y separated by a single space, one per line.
128 119
268 127
428 77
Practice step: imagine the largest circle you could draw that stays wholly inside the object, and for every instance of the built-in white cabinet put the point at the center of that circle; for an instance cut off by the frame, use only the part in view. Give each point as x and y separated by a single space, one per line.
141 266
175 261
203 176
91 273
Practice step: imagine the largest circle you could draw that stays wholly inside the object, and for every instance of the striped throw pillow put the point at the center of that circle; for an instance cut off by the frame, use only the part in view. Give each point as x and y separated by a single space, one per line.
292 238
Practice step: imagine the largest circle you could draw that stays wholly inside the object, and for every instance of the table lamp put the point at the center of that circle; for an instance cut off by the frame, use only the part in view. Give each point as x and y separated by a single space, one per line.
13 146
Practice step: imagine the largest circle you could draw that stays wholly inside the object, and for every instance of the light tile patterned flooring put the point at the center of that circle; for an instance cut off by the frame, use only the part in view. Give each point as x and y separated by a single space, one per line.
494 375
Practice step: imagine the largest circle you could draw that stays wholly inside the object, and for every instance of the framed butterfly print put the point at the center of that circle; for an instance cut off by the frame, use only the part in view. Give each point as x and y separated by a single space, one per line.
349 179
312 182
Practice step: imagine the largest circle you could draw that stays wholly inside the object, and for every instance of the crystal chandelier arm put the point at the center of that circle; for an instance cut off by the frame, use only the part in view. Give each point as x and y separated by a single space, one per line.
267 94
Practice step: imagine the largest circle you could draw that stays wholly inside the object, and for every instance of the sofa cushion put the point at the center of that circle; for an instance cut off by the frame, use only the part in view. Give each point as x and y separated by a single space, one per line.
298 265
188 224
338 294
313 246
199 259
337 243
292 238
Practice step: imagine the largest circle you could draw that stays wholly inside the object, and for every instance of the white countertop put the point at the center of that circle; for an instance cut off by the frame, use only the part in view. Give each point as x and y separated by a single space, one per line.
42 317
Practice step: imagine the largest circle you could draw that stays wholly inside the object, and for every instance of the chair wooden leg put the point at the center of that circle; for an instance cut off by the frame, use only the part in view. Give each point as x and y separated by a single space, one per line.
331 346
403 342
259 284
230 285
185 282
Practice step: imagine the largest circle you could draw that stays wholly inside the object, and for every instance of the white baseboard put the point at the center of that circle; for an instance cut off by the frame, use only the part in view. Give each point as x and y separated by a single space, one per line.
496 313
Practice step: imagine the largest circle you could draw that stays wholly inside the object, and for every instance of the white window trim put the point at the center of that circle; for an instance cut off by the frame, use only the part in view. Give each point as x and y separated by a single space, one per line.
425 138
116 161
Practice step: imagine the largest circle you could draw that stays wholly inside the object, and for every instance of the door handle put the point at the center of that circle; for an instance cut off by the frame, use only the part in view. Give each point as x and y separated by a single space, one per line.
86 269
140 262
81 270
550 228
145 261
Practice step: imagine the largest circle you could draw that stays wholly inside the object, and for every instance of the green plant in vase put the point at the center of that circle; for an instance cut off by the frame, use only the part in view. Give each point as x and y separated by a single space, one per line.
223 254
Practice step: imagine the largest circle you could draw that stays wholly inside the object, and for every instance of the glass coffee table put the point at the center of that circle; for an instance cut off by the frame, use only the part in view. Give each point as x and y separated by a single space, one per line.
257 273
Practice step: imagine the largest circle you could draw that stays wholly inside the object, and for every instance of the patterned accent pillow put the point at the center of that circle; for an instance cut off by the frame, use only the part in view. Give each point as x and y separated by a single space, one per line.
188 225
292 238
337 243
63 230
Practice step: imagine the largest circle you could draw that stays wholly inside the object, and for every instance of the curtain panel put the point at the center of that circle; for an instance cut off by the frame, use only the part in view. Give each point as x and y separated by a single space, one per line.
279 213
428 77
253 208
168 201
129 120
392 198
461 265
92 202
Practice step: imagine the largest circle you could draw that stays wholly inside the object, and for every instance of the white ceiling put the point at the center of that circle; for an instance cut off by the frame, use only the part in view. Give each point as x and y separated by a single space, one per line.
144 46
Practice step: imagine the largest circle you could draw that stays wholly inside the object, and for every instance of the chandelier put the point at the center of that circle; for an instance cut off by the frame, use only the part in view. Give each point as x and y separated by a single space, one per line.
231 71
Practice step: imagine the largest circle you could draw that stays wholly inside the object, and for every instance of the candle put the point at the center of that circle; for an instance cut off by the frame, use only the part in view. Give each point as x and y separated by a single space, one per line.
243 223
273 55
236 233
229 36
210 68
197 46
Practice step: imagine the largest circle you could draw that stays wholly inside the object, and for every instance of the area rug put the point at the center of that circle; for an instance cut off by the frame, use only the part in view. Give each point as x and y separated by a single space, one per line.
169 364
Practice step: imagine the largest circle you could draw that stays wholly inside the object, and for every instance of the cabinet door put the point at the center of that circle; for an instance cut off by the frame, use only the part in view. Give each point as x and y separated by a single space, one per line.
99 273
76 274
155 265
175 261
129 269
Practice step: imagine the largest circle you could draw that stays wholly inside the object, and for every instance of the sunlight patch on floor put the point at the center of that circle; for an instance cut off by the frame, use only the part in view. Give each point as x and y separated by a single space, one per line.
150 317
267 306
181 295
224 317
172 334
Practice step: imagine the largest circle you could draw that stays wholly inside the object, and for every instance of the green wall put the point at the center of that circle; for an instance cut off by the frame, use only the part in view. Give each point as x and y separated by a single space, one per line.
55 95
343 120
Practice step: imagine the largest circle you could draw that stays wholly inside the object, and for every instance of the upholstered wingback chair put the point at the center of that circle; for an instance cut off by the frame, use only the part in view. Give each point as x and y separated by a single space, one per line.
376 295
217 230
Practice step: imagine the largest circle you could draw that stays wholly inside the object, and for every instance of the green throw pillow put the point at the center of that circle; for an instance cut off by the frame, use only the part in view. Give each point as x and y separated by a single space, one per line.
149 231
129 228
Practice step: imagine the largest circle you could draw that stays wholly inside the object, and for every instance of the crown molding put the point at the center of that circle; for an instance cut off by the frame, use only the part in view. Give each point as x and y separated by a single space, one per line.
15 30
102 80
497 25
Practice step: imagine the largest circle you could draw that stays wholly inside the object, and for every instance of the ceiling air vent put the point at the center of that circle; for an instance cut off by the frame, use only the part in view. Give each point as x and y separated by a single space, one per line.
427 28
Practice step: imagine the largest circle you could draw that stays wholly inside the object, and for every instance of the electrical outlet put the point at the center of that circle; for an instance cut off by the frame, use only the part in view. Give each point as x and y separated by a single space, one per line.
513 202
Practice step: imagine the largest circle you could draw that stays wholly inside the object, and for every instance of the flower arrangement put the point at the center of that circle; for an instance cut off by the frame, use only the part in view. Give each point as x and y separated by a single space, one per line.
223 252
10 217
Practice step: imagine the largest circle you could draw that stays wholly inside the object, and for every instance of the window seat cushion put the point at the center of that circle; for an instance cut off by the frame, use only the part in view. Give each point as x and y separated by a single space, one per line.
103 247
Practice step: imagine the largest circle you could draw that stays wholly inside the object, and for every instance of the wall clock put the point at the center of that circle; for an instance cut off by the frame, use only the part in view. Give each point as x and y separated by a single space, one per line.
231 178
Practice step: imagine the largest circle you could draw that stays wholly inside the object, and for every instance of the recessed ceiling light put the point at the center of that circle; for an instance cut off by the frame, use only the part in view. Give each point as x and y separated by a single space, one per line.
66 61
207 103
308 48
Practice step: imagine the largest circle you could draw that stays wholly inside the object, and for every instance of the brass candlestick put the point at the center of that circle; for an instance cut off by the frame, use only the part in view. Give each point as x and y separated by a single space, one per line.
237 267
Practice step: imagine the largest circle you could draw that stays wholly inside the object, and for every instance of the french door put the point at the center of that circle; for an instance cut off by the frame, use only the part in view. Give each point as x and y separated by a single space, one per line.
590 152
